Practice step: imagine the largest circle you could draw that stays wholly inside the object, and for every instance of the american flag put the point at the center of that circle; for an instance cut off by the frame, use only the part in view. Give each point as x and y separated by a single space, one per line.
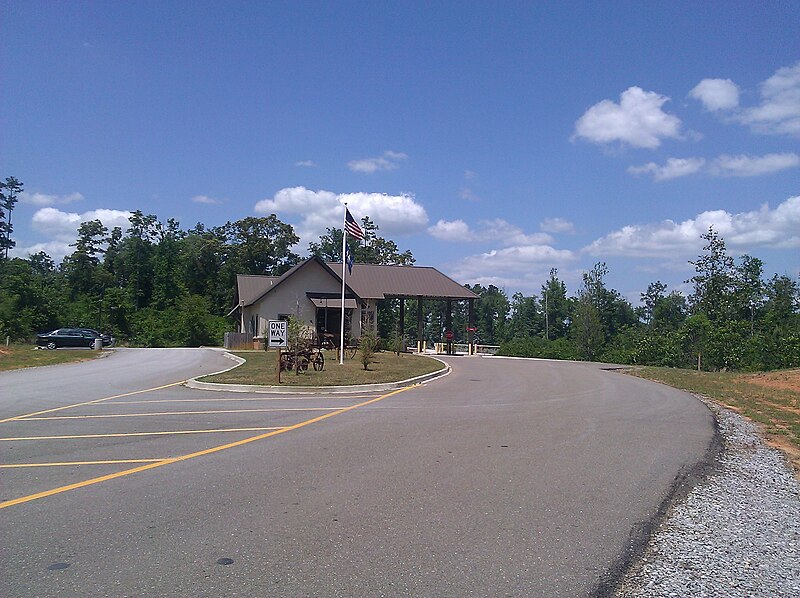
351 226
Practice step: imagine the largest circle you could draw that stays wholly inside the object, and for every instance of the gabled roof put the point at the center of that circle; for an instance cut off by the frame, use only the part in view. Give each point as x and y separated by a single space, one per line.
367 281
374 281
251 288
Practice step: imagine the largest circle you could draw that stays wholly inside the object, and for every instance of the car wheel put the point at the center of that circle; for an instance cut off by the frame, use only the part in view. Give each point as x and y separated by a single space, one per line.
51 345
91 344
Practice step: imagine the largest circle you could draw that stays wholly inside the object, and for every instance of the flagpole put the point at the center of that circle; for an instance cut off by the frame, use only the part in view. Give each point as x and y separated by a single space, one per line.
344 246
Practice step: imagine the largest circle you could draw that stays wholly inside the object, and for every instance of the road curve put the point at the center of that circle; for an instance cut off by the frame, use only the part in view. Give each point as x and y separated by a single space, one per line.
505 478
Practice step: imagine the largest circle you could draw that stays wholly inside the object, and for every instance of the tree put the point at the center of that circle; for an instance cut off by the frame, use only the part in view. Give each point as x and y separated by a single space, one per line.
373 250
749 289
261 245
491 311
525 318
556 306
650 300
9 192
714 281
587 328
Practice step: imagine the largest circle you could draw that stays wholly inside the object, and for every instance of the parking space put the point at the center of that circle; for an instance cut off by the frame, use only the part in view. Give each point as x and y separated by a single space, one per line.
58 449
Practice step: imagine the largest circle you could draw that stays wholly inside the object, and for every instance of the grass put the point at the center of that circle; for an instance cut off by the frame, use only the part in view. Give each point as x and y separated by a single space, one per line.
15 357
770 398
386 367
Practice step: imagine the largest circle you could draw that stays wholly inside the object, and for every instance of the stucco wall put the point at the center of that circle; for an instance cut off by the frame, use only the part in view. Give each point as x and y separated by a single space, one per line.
289 298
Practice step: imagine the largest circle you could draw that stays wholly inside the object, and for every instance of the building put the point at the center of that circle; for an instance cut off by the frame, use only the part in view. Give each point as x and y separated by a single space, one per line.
312 292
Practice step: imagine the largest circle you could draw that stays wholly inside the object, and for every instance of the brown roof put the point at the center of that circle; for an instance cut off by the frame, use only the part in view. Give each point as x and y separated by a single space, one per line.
373 281
250 287
367 281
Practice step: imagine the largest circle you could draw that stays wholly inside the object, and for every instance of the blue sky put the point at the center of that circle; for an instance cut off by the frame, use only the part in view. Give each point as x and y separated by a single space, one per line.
493 140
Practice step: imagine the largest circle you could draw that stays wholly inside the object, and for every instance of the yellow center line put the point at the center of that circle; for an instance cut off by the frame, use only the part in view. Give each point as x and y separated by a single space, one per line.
107 415
108 462
308 422
121 434
126 394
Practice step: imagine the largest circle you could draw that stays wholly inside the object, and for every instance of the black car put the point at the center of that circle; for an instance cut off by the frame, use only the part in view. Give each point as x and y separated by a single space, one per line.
72 337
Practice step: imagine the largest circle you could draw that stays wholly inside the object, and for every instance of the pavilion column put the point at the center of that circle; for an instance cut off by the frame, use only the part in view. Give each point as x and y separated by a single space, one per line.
471 325
402 324
420 340
448 326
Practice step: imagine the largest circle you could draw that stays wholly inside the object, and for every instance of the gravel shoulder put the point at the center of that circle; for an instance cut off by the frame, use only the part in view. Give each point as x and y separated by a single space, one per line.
737 531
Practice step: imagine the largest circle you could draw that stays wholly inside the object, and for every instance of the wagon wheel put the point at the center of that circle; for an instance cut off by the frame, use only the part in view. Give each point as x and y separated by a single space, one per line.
302 363
287 361
318 361
351 351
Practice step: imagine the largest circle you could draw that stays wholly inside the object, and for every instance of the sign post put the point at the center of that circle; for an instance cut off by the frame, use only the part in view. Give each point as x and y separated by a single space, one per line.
278 337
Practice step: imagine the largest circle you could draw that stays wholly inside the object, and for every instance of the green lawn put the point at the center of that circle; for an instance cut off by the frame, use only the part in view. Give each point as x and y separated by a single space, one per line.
387 367
770 398
15 357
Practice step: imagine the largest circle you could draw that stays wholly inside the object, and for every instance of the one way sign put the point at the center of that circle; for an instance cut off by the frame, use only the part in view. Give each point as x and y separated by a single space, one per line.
278 334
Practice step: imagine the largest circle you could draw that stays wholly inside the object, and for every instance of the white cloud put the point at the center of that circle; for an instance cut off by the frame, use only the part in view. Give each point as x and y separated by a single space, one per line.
320 210
637 120
716 94
778 228
470 175
674 168
63 226
779 111
44 199
205 199
522 267
467 194
388 161
489 230
723 166
746 166
306 163
557 225
455 230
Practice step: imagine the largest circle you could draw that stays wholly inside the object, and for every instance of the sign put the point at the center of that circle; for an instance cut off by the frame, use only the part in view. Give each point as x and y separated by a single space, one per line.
449 335
278 334
472 329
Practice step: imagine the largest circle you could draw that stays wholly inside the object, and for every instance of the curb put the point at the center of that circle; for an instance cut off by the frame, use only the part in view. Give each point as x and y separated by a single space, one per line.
383 387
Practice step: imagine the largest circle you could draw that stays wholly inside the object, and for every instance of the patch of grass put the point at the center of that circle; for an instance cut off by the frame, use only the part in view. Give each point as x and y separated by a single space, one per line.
385 367
15 357
770 398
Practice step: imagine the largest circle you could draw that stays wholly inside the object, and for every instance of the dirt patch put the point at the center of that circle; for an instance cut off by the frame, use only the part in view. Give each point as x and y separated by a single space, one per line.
783 380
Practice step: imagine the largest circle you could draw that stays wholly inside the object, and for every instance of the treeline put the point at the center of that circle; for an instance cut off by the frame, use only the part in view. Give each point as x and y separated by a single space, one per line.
155 284
733 319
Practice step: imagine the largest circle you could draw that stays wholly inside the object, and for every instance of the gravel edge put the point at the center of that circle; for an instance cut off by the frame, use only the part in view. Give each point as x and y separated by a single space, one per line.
736 533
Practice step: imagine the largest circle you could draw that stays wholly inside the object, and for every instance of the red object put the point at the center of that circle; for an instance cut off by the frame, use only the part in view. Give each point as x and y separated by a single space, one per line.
472 329
449 335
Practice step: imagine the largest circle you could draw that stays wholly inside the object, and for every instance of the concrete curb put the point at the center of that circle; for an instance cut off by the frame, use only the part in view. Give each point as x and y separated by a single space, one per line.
299 390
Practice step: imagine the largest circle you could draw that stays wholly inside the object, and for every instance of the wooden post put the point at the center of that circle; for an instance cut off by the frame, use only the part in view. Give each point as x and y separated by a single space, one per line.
471 325
448 325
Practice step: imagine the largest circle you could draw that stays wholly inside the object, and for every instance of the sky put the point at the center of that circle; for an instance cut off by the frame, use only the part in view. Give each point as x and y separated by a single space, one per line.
495 140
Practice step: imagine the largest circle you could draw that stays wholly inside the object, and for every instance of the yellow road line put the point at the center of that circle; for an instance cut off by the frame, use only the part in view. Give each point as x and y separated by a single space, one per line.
232 399
107 415
126 394
119 474
120 434
108 462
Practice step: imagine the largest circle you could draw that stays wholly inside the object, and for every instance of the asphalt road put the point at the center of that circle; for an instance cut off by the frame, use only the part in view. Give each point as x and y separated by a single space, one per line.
505 478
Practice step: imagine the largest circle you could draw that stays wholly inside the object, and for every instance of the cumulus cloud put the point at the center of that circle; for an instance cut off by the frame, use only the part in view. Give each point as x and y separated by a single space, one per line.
205 199
63 226
519 267
557 225
319 210
779 110
637 120
674 168
765 227
388 161
723 166
44 199
746 166
488 230
716 94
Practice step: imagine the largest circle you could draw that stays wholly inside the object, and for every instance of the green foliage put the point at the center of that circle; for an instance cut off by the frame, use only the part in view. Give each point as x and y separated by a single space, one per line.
534 346
368 346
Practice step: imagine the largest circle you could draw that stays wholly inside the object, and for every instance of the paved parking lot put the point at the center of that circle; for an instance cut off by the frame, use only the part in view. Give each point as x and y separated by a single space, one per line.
69 447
